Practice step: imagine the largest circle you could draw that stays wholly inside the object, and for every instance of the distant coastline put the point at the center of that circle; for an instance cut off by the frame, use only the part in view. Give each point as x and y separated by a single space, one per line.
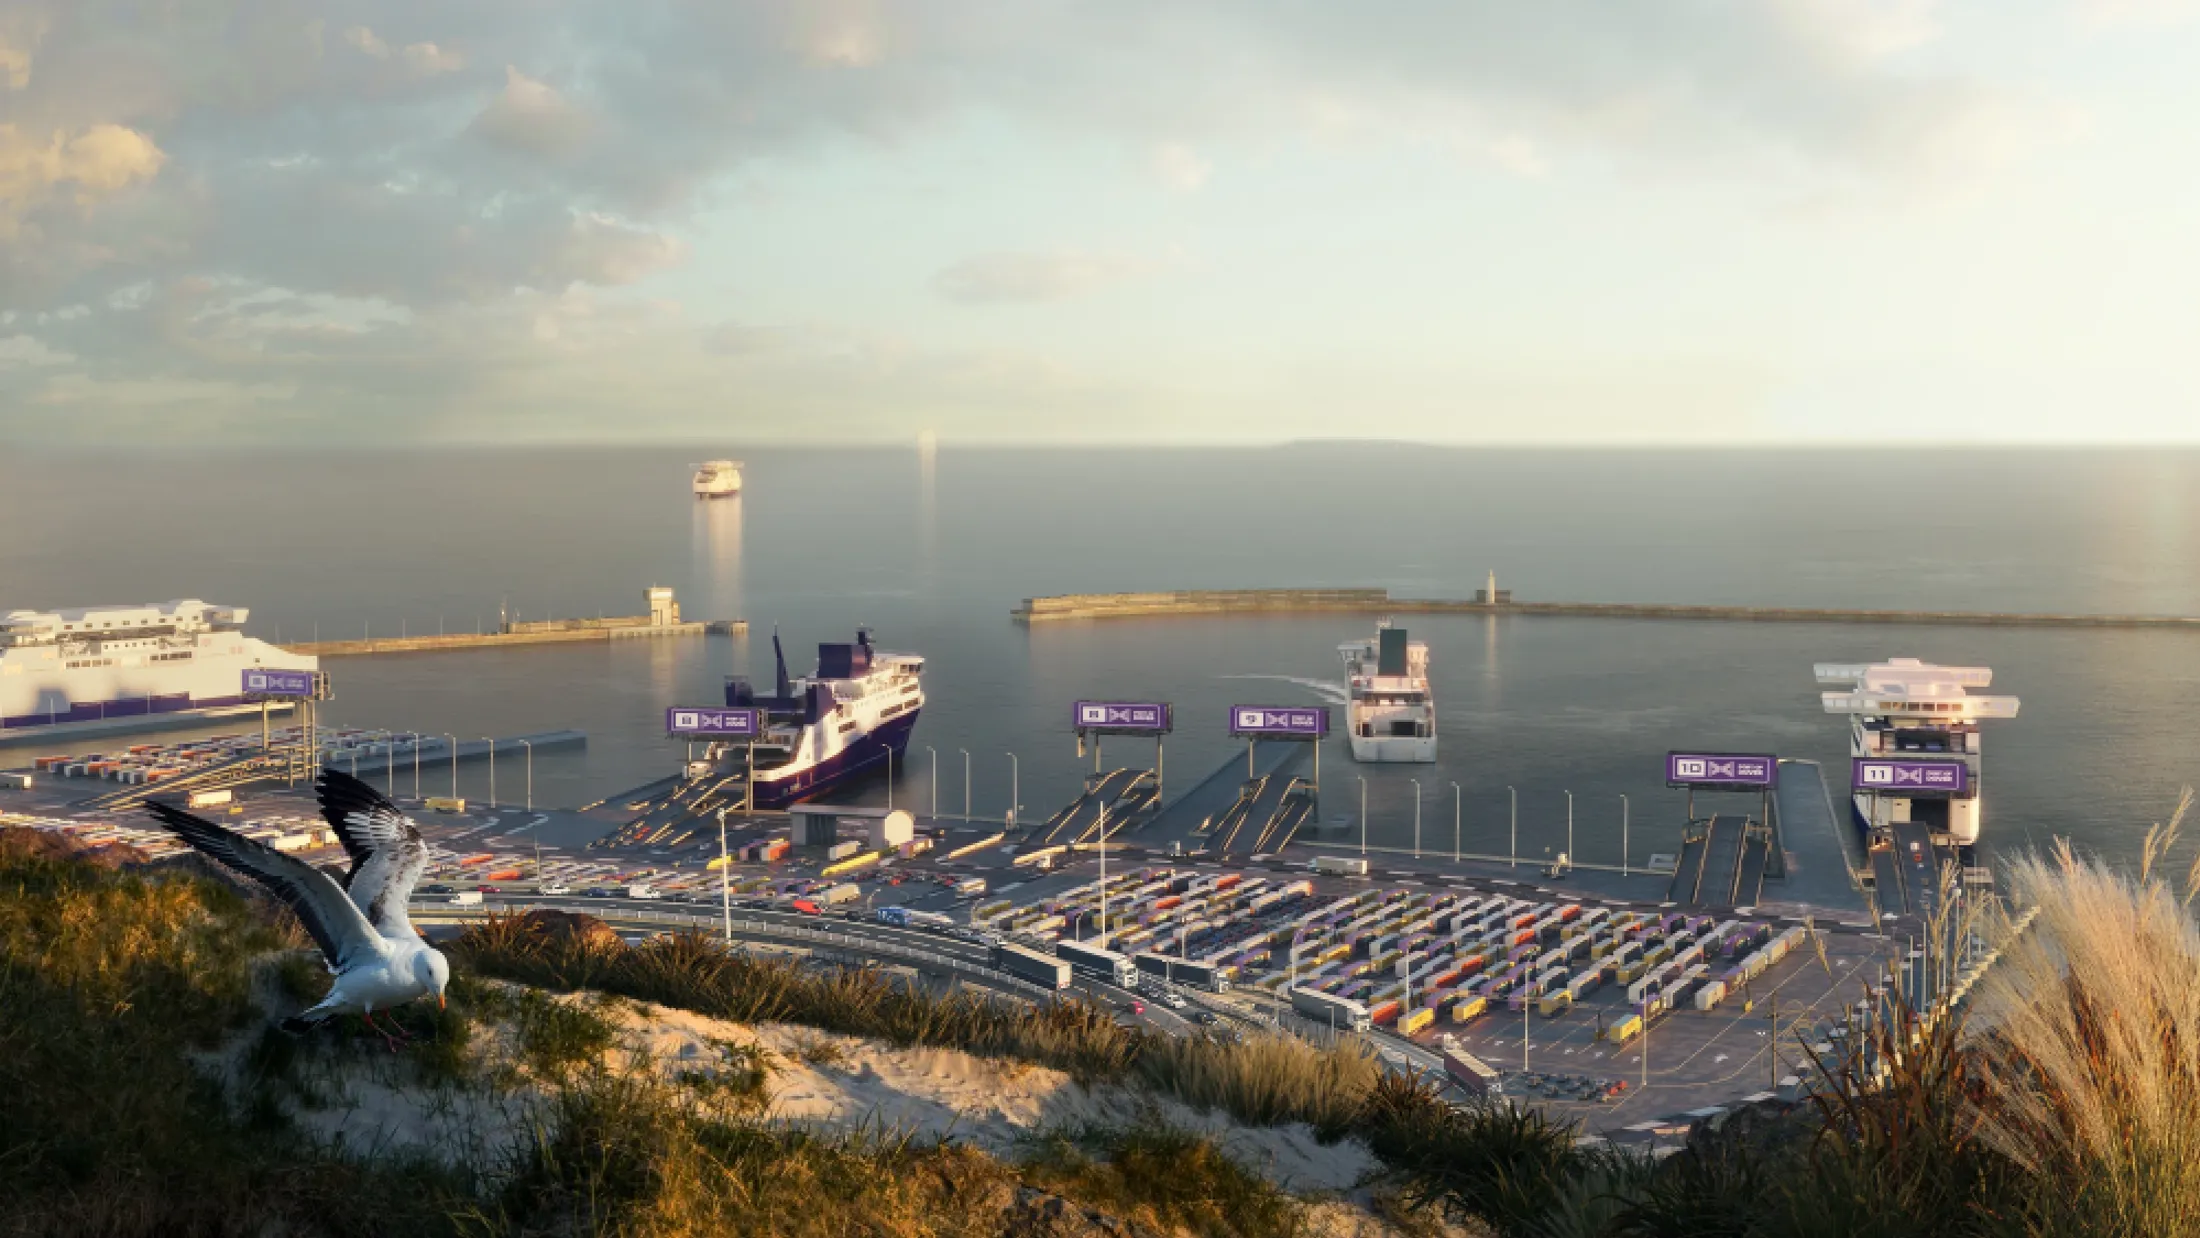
1070 607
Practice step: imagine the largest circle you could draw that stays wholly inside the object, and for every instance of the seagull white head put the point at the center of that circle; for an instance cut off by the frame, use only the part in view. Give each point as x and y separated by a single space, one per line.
433 972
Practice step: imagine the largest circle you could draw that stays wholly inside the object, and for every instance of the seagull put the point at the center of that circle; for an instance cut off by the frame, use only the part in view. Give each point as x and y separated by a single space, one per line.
367 941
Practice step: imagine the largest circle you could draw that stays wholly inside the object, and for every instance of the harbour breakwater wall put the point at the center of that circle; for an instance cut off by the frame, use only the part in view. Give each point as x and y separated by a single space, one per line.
1088 606
546 633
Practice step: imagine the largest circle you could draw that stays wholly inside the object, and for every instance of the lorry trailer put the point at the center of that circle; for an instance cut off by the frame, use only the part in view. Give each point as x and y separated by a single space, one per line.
1024 963
1336 1012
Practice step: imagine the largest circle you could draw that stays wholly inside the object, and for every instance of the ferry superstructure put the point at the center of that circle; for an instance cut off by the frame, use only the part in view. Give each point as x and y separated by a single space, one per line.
127 668
717 479
1390 712
849 719
1915 758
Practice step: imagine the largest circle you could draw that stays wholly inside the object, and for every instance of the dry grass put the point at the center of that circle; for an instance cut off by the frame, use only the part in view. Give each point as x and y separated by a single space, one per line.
2093 1045
695 972
1265 1080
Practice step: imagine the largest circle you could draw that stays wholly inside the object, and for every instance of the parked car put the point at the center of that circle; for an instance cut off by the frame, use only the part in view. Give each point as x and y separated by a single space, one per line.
554 889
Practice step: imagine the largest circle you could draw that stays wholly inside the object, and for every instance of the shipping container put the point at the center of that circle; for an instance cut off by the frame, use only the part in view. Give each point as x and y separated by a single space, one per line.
1382 1014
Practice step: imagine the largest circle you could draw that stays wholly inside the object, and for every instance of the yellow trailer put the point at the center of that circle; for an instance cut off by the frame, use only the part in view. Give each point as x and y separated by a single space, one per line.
1468 1009
1417 1021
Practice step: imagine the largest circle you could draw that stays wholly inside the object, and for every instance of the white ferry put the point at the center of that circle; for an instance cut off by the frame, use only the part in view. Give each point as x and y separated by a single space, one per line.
1914 743
848 720
717 479
106 669
1391 714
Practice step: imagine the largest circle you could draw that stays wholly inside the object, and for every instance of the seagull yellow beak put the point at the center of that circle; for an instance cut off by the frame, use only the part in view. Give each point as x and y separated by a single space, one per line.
440 1004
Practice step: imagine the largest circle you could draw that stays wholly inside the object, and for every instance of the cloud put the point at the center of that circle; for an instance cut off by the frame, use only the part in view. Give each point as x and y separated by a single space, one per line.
530 116
83 168
1179 167
2136 12
429 58
1003 278
366 41
266 199
25 351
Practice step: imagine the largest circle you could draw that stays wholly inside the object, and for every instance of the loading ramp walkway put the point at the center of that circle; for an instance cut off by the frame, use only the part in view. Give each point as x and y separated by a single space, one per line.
1268 811
1187 818
1123 796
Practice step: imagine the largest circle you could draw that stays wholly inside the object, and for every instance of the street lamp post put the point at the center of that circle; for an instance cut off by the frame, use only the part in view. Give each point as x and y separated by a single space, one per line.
1416 818
1569 827
935 780
491 740
725 879
1455 818
889 778
416 765
1015 790
1363 814
454 765
966 782
530 774
1623 836
1515 826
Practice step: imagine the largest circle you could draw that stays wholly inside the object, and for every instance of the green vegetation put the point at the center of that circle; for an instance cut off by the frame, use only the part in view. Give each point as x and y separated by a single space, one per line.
108 987
141 1093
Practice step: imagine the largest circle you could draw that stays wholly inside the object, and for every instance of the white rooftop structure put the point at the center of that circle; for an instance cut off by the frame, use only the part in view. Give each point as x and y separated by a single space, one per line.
1912 690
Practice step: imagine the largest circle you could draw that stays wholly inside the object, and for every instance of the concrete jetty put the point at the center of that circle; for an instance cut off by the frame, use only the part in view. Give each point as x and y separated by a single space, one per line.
663 619
1089 606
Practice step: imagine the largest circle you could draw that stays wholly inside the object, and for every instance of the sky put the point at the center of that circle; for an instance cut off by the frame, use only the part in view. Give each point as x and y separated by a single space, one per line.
1483 222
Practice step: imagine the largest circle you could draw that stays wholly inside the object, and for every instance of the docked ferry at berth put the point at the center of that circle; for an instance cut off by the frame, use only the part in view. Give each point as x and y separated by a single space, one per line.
109 669
1390 712
1914 746
850 719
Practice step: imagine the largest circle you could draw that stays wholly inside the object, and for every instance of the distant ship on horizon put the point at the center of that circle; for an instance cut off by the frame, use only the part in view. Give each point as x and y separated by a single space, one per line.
717 479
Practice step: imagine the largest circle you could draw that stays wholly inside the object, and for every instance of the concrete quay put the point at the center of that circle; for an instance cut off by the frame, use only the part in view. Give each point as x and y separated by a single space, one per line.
1090 606
524 634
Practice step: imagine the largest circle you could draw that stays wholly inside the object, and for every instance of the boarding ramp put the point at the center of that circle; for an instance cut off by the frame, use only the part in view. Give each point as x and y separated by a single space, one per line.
668 818
222 775
1122 796
1269 809
1189 818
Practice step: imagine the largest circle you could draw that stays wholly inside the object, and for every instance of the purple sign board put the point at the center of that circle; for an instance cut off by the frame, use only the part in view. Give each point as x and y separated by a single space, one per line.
1899 777
261 681
1263 721
1721 771
1143 717
707 720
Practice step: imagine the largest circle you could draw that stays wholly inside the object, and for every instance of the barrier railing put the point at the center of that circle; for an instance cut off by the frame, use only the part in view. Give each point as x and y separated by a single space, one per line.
745 925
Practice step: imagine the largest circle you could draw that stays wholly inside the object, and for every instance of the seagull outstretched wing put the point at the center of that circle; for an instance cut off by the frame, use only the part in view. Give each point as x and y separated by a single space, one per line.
334 921
387 853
